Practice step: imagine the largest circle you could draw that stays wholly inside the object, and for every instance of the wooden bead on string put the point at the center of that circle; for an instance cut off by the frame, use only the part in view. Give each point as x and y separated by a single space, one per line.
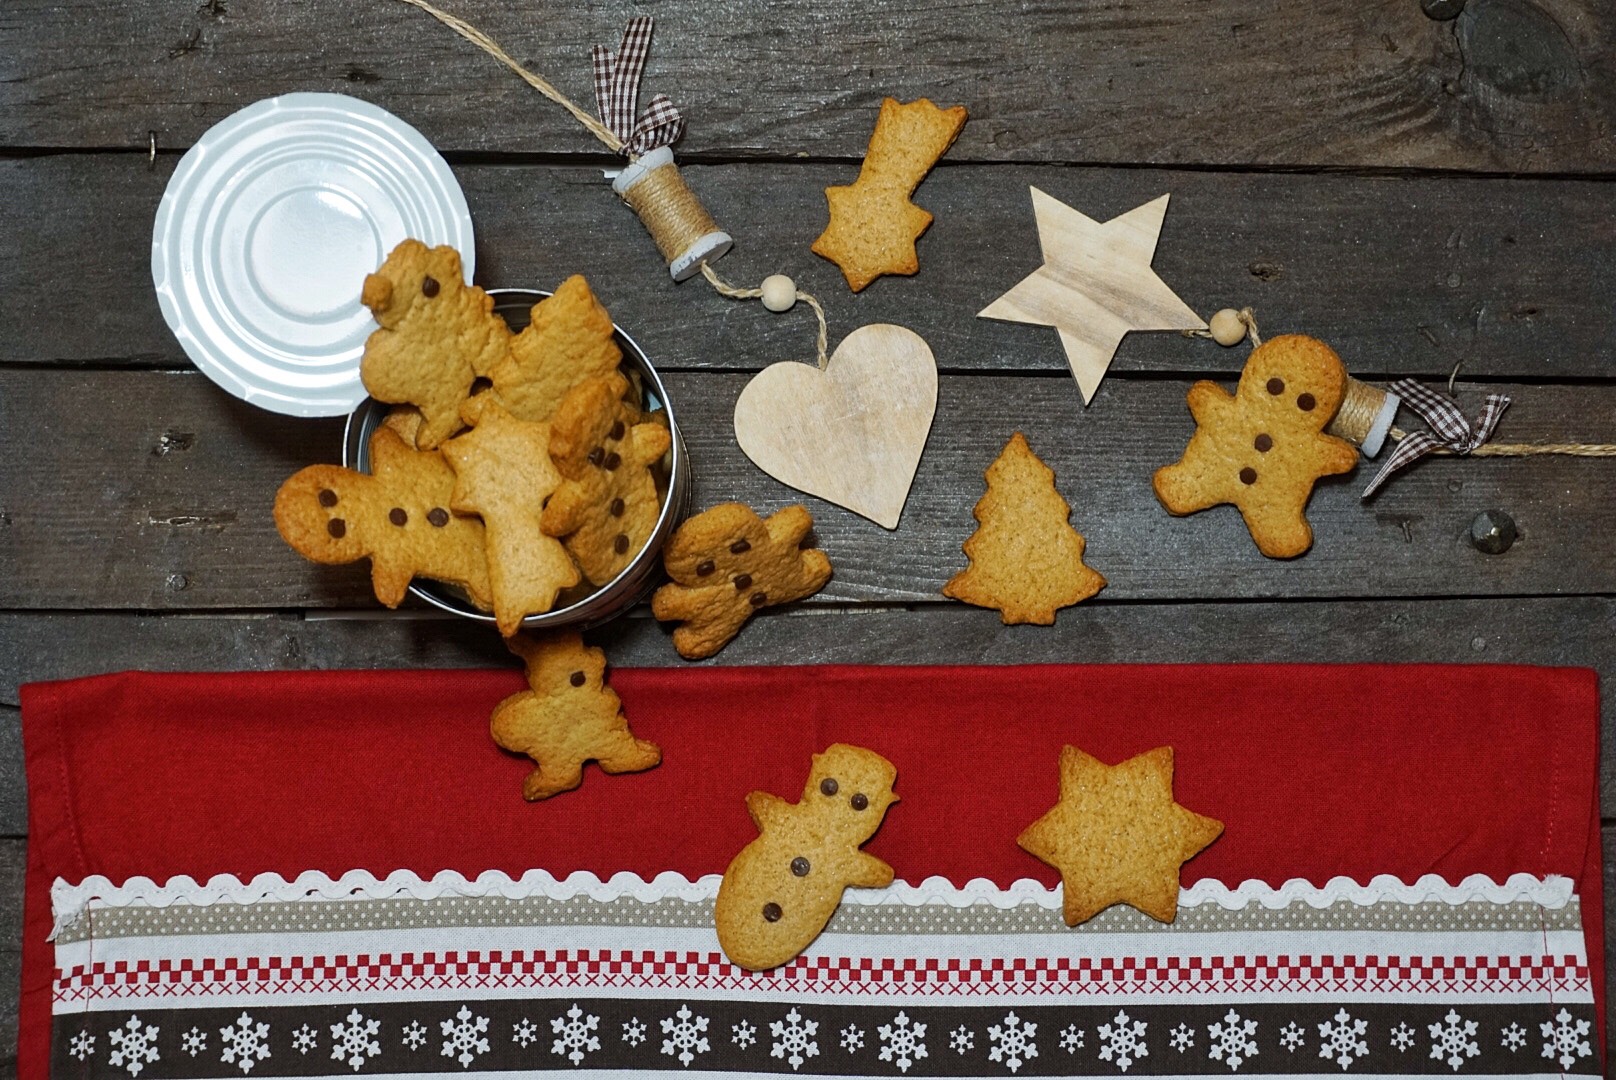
685 233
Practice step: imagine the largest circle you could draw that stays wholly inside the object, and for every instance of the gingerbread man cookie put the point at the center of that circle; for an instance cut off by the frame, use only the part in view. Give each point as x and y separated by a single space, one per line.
783 887
503 473
569 717
569 339
397 516
437 335
607 505
1264 448
726 563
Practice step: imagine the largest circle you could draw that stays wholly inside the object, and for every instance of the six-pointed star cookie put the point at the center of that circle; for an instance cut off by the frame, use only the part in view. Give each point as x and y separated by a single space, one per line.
1096 284
1117 836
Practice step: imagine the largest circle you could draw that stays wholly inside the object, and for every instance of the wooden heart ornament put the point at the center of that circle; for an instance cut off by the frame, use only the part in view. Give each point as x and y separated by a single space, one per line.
852 433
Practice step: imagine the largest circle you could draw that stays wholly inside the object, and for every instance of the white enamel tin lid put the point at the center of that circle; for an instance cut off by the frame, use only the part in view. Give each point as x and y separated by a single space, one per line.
267 230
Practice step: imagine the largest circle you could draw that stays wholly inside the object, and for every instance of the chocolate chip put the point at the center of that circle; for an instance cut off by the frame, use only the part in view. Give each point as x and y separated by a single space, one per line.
620 545
740 547
799 866
1305 402
1248 475
612 461
828 786
397 516
1276 386
743 582
429 287
438 516
705 568
1264 444
616 508
772 912
617 430
596 456
328 497
337 528
860 801
758 599
577 679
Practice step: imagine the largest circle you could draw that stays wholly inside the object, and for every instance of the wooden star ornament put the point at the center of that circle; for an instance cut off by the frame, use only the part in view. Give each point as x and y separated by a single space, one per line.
1095 286
1117 836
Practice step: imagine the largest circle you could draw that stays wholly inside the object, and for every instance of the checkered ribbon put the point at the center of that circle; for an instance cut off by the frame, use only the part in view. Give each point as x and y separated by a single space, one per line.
617 93
1449 428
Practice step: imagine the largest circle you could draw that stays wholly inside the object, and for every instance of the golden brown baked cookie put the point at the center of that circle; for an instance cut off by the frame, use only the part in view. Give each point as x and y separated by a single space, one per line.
437 335
726 563
503 473
783 887
1117 836
1026 560
568 717
1264 448
568 340
606 506
873 225
397 516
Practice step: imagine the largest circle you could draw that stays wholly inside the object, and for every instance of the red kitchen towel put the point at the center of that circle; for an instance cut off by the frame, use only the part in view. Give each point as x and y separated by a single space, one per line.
1316 771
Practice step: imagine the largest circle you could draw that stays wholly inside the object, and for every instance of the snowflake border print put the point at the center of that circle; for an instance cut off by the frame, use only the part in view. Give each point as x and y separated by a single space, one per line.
869 1038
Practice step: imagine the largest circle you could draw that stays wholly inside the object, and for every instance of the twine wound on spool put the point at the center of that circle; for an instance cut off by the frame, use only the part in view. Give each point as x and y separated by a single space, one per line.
684 232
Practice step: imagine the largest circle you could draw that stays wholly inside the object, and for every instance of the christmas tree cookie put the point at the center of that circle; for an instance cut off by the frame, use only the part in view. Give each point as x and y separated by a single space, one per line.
1026 559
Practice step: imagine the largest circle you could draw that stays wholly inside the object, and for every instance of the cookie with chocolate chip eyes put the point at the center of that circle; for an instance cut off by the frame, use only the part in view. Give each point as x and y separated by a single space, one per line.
727 563
606 506
1264 448
783 887
567 717
437 335
397 516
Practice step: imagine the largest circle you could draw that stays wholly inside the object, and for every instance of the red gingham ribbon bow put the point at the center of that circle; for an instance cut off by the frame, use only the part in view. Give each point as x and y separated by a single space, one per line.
617 92
1449 428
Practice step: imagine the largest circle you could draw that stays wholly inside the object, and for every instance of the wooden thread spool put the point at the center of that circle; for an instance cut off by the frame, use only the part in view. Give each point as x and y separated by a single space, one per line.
1365 416
684 231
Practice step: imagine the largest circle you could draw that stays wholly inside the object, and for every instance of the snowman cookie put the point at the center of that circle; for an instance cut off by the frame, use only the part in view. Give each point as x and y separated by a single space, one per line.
781 890
1264 448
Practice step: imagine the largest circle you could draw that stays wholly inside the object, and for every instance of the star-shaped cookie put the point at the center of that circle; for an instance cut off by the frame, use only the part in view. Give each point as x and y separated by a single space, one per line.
1117 836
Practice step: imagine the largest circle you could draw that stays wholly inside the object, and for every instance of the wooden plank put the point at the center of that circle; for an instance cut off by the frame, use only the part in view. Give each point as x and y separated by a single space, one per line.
153 490
1405 276
1508 86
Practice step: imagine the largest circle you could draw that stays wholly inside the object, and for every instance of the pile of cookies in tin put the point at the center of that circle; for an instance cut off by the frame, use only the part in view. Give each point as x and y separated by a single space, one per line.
546 478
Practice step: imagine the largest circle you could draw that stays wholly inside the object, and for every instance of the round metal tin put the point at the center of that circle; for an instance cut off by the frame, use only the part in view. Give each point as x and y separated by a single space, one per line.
267 230
589 606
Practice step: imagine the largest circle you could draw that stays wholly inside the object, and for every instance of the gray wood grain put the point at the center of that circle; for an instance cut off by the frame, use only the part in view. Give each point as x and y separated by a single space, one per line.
1404 276
1516 85
159 498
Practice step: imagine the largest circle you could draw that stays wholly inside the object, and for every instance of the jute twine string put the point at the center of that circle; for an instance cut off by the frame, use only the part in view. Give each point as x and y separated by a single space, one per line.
735 293
671 212
537 82
1362 402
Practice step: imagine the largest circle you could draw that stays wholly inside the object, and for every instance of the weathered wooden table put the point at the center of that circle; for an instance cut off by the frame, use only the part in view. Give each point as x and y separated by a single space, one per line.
1420 193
